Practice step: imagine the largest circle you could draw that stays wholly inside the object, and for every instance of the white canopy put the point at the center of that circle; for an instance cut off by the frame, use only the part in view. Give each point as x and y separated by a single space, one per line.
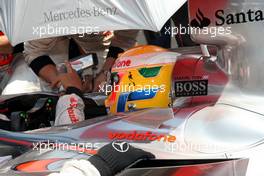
23 20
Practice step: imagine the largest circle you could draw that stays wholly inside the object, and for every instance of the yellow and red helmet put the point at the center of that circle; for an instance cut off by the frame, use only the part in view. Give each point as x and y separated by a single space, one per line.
141 78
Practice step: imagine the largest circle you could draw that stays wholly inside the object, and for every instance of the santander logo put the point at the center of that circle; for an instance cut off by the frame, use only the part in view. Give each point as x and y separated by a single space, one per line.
71 112
200 21
74 102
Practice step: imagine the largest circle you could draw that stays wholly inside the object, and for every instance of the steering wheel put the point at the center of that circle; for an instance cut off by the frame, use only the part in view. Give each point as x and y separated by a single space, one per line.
28 112
34 111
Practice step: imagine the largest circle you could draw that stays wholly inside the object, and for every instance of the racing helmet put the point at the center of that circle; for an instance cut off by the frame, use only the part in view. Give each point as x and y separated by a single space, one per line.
141 78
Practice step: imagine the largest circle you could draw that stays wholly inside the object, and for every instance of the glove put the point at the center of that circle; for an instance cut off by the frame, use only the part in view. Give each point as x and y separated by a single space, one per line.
116 156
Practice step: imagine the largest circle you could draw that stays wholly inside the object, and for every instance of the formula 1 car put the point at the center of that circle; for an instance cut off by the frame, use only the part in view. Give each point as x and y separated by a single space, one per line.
136 112
206 104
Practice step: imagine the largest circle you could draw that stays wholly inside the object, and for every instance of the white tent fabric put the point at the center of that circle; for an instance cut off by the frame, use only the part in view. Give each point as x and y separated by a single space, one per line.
23 20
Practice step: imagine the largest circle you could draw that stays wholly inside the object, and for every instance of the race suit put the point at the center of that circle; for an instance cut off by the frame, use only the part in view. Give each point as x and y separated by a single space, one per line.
108 160
69 109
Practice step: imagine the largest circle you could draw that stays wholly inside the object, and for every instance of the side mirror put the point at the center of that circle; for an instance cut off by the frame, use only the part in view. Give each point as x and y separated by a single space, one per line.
84 61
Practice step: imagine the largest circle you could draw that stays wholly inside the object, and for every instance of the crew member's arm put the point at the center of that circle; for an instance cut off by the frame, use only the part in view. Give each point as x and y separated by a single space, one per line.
107 162
37 56
110 60
70 107
5 46
121 41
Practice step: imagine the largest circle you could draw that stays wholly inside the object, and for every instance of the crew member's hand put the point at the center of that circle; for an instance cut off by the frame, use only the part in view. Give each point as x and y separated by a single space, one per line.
69 79
115 157
49 73
101 78
88 84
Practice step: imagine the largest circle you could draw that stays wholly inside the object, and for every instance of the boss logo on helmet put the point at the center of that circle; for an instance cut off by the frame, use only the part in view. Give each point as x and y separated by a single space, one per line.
191 88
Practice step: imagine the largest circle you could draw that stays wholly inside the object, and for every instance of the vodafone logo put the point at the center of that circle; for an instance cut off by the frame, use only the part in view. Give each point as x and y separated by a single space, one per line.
122 63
